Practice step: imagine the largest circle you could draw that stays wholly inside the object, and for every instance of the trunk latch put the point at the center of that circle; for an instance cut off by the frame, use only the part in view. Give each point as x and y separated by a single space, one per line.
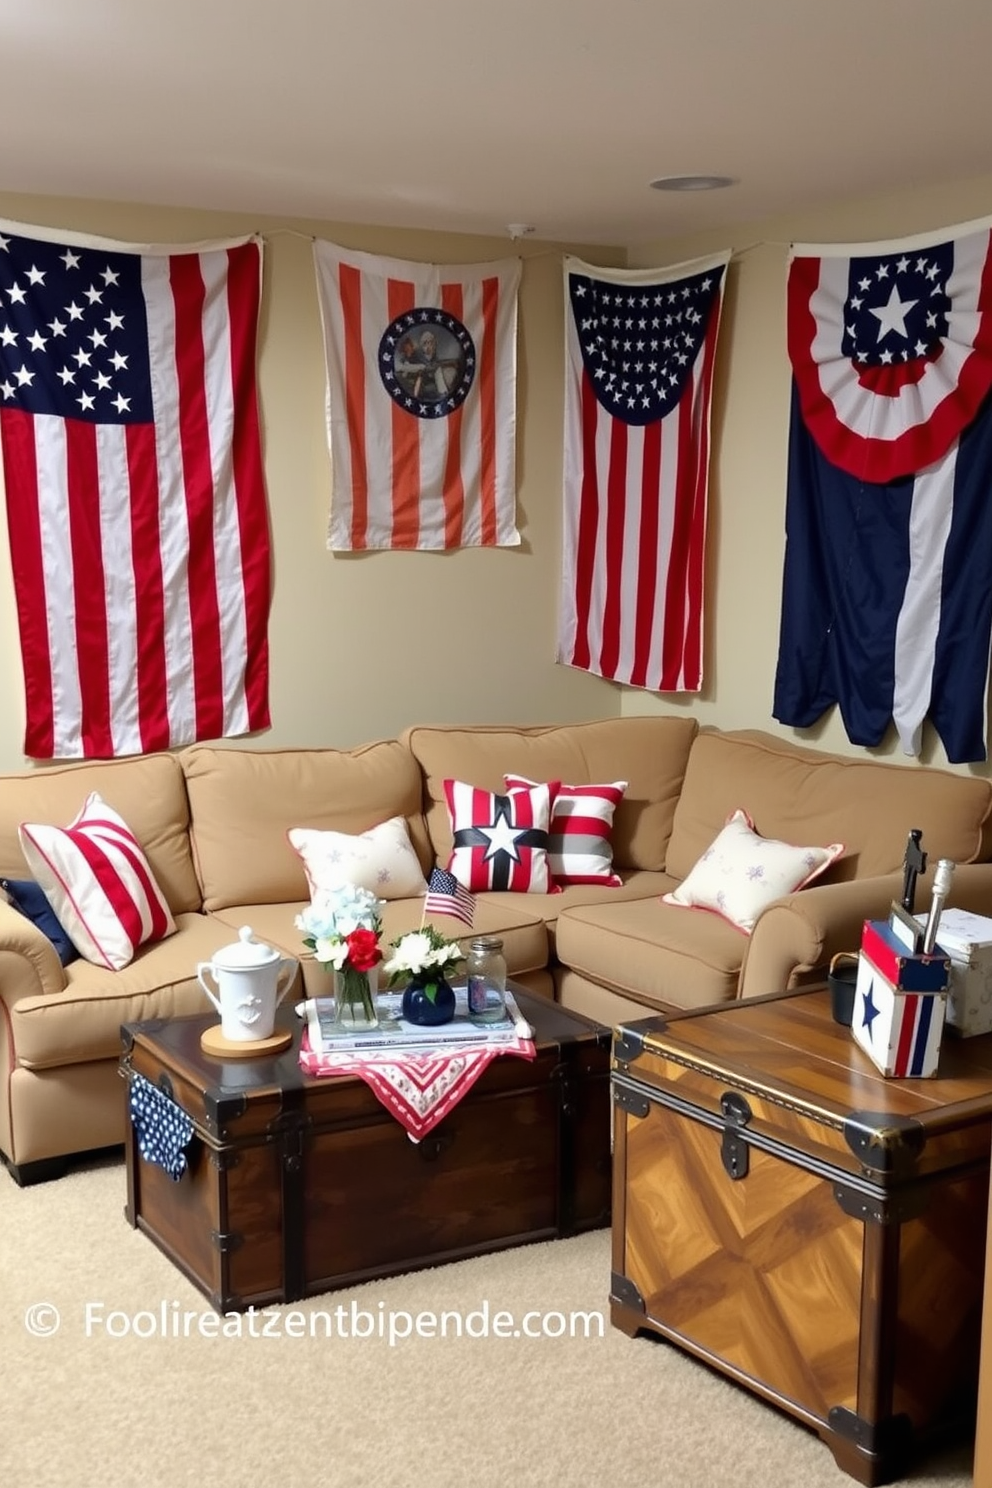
734 1150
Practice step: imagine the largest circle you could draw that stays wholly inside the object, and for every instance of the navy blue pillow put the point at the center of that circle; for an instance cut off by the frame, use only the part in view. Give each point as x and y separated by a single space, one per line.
29 898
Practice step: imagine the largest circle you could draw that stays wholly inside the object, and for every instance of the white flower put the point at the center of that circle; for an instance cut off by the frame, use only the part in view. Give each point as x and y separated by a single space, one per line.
412 953
420 950
330 952
445 954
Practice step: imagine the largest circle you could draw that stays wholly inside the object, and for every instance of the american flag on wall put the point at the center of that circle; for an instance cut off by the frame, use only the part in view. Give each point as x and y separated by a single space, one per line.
134 490
421 392
639 353
887 592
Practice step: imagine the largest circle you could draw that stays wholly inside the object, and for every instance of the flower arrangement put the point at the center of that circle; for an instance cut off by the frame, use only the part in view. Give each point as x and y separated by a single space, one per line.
342 927
418 954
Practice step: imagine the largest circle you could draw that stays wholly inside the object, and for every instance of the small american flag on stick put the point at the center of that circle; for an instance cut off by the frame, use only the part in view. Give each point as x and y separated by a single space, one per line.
445 895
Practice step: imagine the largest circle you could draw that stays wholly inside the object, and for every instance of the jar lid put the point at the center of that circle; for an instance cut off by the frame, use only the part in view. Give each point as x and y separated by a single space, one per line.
487 943
246 951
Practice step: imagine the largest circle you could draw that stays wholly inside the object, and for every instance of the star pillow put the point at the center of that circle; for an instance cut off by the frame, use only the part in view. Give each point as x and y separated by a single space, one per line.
500 842
382 860
740 873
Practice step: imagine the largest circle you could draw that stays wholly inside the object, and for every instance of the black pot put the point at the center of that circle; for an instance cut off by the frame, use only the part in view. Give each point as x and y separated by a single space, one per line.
841 979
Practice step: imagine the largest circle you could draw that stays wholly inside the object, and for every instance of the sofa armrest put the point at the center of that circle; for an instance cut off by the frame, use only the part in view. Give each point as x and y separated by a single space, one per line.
801 933
29 963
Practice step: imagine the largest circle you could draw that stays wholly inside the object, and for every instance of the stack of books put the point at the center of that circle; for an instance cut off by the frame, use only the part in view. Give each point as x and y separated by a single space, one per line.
394 1032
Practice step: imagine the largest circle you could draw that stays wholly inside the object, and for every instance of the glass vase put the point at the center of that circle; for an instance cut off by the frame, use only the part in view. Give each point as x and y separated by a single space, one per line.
355 1008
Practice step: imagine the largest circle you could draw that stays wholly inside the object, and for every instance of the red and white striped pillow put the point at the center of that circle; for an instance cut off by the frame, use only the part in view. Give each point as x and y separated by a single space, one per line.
500 842
580 848
99 883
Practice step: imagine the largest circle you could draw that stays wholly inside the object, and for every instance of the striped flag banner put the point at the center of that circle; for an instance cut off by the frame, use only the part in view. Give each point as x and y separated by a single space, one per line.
887 580
134 489
421 395
639 353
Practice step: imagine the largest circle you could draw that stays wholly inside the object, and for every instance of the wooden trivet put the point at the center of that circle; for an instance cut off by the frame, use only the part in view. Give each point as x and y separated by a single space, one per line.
212 1041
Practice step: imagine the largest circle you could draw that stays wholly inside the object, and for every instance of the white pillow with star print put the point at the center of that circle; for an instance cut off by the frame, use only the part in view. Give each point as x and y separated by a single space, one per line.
500 842
740 873
382 860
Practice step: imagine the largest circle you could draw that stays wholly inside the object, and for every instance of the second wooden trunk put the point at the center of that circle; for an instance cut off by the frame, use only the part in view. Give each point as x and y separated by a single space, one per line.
808 1227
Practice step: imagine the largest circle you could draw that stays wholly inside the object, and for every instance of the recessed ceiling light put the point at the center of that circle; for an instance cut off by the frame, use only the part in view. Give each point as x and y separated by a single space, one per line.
693 183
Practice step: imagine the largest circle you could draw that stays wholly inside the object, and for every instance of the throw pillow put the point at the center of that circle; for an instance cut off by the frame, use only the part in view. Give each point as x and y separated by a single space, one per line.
580 848
381 860
99 883
741 872
500 842
29 898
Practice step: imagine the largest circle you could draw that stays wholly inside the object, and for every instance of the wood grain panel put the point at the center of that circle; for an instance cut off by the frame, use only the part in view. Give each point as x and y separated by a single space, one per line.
253 1200
764 1272
181 1217
374 1199
938 1325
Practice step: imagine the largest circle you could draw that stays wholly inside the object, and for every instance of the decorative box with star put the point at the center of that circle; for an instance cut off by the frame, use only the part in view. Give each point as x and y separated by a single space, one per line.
900 1002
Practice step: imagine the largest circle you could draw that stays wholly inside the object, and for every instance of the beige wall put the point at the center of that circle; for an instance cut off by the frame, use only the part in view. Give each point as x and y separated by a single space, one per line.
750 430
364 644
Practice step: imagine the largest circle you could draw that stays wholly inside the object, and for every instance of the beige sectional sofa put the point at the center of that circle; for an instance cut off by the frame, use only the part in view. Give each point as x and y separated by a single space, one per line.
213 822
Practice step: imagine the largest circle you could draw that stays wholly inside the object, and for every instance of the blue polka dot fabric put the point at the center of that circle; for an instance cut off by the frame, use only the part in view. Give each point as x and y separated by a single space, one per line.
162 1129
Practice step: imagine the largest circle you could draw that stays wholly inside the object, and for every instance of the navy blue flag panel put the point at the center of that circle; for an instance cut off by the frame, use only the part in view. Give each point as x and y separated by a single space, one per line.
905 294
74 338
639 342
867 621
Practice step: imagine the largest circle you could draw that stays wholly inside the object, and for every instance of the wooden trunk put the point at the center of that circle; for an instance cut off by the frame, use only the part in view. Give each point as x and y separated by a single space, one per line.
812 1229
298 1185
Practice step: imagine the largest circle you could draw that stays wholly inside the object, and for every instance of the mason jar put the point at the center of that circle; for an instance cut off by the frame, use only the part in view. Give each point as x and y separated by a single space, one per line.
486 972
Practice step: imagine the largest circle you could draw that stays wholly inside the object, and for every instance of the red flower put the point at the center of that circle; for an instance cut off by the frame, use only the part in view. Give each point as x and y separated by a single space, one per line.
363 949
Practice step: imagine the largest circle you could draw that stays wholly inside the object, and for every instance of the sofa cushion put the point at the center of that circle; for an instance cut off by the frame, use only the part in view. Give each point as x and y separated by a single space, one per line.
99 883
804 795
83 1022
381 859
638 884
148 791
652 951
649 753
243 803
741 872
580 833
499 841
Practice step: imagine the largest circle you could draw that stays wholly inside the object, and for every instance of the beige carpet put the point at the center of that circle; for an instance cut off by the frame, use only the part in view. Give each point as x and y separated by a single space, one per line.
302 1412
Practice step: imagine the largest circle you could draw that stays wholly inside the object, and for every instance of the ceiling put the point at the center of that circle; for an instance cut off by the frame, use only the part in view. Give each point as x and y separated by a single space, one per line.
475 115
